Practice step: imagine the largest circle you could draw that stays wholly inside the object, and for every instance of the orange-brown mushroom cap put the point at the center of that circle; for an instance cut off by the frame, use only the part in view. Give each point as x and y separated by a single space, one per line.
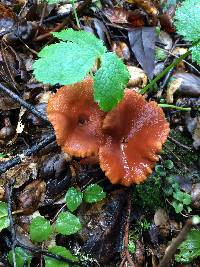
136 130
77 119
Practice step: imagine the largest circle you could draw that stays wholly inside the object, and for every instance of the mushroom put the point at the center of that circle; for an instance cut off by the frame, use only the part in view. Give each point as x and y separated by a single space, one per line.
126 139
135 131
77 119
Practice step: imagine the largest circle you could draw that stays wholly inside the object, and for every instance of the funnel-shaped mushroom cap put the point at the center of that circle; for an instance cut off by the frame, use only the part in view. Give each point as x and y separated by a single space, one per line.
135 131
76 119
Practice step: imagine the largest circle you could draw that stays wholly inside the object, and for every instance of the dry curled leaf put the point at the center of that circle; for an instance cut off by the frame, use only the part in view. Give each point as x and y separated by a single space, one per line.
30 197
142 42
116 15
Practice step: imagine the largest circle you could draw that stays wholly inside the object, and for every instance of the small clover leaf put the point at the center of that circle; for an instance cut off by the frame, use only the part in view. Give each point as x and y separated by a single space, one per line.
190 248
93 193
61 251
40 229
67 223
21 257
73 198
178 206
4 220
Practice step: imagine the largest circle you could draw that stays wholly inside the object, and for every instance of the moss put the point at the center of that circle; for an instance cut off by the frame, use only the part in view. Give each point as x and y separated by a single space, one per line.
148 196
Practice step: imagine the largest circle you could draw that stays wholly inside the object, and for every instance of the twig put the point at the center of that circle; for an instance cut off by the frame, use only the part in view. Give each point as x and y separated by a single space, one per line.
12 227
79 11
22 102
26 153
179 144
47 253
178 240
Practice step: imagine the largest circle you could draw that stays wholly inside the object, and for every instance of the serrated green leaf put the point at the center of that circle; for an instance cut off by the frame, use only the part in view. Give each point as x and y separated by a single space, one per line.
61 251
21 257
4 220
67 223
196 53
110 81
93 193
84 39
190 248
63 63
40 229
73 198
187 20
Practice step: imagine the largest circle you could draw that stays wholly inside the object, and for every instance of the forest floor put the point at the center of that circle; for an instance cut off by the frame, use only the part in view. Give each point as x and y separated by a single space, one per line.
34 172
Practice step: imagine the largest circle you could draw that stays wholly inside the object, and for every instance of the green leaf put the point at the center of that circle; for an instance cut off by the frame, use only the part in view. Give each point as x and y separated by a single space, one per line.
182 197
73 198
169 164
160 54
61 251
4 220
40 229
190 248
84 39
160 170
2 155
93 193
196 53
187 20
110 81
63 63
67 223
131 246
177 206
21 257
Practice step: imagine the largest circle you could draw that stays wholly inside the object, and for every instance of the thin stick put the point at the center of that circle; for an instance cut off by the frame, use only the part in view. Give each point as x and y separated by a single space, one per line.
26 153
48 254
179 144
178 240
23 103
79 11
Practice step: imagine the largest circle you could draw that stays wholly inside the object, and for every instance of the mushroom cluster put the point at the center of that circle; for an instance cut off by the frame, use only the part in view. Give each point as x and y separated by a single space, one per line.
127 139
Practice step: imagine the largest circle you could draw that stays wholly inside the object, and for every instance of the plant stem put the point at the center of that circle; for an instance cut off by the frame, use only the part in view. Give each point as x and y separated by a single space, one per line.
174 107
164 72
75 14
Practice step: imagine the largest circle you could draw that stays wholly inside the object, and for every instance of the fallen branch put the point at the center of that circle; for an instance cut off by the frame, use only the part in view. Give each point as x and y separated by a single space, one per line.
26 153
178 240
23 103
